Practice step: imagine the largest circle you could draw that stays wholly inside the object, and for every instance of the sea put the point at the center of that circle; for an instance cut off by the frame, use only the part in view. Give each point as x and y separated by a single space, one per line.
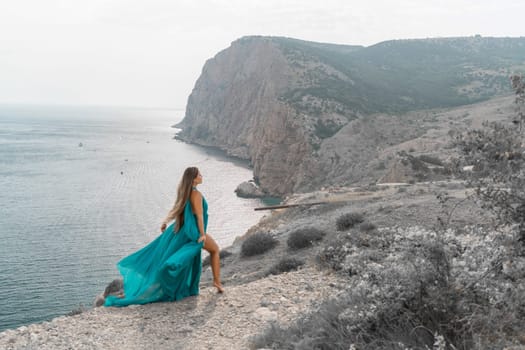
82 187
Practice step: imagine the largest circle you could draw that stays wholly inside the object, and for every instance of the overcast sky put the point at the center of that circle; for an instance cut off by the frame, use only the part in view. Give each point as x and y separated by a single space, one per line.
150 52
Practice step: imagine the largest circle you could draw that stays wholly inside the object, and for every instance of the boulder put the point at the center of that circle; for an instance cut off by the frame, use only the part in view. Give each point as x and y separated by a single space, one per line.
115 287
249 189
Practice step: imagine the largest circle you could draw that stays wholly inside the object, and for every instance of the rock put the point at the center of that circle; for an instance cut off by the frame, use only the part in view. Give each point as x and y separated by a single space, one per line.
249 189
515 268
99 300
265 314
113 288
185 329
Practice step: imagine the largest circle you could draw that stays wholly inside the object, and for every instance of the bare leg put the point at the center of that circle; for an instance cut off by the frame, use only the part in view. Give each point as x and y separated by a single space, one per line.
211 246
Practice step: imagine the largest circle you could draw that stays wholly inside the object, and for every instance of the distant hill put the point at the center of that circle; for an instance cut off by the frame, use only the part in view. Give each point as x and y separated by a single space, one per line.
402 75
290 106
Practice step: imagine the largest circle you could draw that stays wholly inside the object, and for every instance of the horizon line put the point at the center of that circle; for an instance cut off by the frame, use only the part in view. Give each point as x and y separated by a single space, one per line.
88 105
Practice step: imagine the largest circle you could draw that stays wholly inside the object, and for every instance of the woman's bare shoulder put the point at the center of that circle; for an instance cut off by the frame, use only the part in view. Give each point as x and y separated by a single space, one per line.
195 195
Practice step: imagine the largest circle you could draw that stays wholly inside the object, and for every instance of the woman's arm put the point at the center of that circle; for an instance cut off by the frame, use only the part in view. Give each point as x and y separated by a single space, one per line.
196 207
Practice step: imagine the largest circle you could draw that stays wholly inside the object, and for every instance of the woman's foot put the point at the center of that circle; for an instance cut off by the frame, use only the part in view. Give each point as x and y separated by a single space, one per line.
219 287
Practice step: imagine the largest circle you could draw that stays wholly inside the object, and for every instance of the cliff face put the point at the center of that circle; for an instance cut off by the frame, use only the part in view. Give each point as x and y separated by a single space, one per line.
309 114
235 106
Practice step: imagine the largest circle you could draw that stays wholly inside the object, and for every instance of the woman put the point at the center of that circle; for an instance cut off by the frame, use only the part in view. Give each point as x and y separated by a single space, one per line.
169 268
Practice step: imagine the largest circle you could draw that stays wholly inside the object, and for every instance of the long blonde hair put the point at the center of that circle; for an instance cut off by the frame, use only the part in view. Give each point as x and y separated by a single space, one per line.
183 195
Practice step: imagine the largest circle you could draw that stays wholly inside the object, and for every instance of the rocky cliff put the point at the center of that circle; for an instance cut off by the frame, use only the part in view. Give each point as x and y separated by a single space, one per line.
309 114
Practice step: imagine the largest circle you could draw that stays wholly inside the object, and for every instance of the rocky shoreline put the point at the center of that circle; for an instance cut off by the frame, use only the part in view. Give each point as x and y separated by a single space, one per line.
377 260
209 321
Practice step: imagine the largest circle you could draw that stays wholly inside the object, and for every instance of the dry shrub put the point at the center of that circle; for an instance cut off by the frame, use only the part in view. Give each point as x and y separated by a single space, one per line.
401 189
348 220
258 243
497 154
334 254
430 159
373 188
404 296
285 265
304 237
406 305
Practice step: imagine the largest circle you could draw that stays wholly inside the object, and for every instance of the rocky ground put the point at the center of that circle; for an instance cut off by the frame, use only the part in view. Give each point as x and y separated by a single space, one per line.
254 300
209 321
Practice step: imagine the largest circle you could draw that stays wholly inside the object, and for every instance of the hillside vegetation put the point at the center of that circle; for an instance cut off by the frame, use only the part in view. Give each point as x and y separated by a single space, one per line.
402 75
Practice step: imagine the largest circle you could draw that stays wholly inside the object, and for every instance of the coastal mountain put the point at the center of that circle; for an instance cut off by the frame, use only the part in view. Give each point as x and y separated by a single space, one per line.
311 114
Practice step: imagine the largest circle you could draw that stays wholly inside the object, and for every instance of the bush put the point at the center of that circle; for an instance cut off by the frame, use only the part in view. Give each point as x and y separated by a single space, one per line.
285 265
497 153
349 220
431 159
390 326
380 166
373 188
303 238
413 304
368 246
258 243
408 305
222 255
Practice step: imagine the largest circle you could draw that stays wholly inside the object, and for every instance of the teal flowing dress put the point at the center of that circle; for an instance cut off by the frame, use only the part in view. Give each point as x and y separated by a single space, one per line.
168 268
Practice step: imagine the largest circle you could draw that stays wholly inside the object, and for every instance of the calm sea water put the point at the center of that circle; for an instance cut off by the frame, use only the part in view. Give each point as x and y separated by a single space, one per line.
82 187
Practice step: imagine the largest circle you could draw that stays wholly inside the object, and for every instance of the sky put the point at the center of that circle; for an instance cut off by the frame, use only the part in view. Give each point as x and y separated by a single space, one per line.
149 53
